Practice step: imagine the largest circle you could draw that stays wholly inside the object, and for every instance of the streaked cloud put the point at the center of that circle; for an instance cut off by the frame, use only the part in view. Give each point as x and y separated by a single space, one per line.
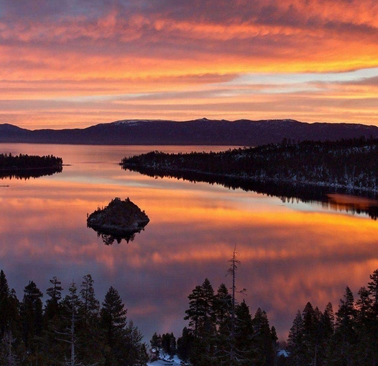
316 59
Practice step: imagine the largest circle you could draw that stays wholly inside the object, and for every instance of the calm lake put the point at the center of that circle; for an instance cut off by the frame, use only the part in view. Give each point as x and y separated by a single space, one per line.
290 252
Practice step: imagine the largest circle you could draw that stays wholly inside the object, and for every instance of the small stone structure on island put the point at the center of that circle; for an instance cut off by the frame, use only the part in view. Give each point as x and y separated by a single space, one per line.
119 220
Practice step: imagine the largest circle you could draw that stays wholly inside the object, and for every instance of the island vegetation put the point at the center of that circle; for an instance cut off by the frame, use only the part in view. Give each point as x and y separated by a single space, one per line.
349 164
306 171
25 166
119 220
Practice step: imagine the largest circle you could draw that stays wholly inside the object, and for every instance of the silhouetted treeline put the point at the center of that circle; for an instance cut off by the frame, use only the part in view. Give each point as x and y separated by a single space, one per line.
345 164
348 337
71 330
25 166
222 332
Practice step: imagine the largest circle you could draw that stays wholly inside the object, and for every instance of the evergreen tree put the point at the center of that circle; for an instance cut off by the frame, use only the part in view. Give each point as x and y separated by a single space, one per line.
245 345
265 341
4 295
69 335
202 323
52 349
373 293
168 344
134 351
200 313
185 345
222 306
89 334
122 341
296 346
156 344
328 321
90 305
9 309
32 318
312 333
53 303
343 347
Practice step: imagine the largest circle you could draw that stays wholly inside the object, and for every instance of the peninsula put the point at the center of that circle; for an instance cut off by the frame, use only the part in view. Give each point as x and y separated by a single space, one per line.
345 164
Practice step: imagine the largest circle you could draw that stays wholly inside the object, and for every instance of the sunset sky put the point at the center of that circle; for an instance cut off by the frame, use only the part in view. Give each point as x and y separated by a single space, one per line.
75 63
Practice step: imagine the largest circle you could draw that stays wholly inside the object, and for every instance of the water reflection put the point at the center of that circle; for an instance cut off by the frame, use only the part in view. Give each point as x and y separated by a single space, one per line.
109 237
289 253
353 204
345 200
28 173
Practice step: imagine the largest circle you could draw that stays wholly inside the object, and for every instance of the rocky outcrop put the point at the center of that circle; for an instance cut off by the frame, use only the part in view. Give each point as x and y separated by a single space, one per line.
120 219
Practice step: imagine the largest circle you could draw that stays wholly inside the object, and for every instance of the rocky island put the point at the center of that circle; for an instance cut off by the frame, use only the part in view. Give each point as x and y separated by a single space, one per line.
119 220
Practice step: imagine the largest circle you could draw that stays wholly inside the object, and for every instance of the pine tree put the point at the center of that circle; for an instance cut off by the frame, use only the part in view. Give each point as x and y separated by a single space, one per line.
156 345
71 304
32 318
264 340
200 313
296 346
222 306
365 327
328 321
9 309
89 334
312 336
185 345
202 324
345 338
113 325
4 295
52 308
245 345
52 349
373 293
168 344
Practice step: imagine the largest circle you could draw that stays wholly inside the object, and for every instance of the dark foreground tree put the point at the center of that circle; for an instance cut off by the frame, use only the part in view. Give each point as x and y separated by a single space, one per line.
122 340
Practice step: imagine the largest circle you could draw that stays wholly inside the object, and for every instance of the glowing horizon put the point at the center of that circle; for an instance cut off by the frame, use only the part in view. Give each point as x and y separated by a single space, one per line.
75 64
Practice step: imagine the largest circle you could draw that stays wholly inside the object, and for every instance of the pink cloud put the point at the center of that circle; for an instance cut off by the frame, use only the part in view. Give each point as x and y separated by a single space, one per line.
69 48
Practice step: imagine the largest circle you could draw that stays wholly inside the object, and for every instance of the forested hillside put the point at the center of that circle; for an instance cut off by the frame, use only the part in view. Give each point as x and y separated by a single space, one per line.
348 164
195 132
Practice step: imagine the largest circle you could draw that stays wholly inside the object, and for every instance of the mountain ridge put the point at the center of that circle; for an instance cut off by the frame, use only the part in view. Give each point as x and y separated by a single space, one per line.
243 132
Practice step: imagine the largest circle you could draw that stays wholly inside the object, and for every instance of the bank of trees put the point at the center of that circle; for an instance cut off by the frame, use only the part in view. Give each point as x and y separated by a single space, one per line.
345 338
345 164
223 332
25 161
220 332
25 166
71 330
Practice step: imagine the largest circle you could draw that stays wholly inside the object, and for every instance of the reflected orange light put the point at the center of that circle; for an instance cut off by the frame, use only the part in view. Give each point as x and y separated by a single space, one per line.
290 253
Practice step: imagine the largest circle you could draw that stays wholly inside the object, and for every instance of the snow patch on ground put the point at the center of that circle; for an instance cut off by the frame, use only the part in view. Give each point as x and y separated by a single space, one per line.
175 361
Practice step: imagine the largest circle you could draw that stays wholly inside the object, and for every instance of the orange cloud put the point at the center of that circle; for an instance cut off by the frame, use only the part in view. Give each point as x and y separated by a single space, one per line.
52 56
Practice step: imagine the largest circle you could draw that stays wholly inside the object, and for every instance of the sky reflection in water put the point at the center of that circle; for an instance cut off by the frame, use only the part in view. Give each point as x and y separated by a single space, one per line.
289 253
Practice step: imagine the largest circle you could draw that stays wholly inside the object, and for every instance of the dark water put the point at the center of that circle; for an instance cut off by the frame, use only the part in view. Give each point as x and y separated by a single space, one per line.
291 252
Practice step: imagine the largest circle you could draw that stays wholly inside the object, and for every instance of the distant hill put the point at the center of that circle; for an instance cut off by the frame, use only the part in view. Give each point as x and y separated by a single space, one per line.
196 132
